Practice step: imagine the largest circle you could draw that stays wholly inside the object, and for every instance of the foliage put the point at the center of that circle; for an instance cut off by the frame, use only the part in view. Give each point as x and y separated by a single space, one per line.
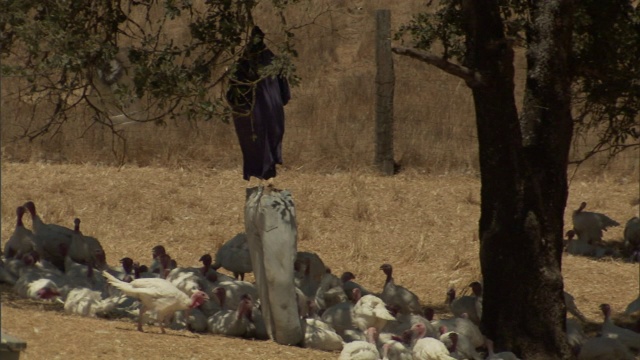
606 57
144 60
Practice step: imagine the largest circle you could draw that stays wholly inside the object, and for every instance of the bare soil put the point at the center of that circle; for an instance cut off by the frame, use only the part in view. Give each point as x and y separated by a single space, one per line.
424 225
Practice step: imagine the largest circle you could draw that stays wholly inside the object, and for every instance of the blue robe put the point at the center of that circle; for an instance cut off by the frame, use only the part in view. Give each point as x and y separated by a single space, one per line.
258 112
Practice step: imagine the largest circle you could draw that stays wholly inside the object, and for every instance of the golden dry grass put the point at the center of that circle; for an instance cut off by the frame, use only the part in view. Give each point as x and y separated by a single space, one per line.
424 225
330 118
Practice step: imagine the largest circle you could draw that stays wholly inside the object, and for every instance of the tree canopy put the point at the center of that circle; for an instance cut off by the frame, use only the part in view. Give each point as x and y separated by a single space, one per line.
148 60
605 61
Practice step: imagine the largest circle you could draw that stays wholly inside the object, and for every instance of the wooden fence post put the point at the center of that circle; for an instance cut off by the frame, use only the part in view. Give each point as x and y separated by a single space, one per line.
385 82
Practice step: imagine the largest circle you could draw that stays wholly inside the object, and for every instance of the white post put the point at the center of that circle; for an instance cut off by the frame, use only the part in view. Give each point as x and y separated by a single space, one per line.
270 225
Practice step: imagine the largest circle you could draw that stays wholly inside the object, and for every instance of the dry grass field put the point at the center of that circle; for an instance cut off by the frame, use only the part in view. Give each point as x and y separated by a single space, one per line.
181 186
424 225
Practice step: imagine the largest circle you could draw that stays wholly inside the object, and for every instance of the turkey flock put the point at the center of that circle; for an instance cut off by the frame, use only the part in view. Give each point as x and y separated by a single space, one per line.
55 263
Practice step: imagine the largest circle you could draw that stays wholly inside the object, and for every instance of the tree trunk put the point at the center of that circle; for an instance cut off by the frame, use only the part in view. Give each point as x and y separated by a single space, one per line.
523 173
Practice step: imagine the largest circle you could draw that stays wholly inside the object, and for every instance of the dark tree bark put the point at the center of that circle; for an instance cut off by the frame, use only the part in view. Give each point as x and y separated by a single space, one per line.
523 166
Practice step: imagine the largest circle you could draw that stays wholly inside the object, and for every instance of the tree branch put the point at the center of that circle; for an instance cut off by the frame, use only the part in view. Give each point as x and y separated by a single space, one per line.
472 77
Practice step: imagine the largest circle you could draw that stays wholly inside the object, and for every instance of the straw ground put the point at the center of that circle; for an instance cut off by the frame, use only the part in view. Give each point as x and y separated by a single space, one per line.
424 225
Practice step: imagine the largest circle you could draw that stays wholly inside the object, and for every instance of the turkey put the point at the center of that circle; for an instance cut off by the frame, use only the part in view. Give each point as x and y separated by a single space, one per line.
39 289
157 295
235 289
370 311
393 294
125 271
209 273
579 246
37 282
86 249
590 225
348 284
188 280
340 316
6 277
195 321
426 348
319 335
396 350
459 344
406 321
627 337
330 291
361 350
462 325
504 355
232 322
633 307
234 256
575 333
469 304
631 234
309 270
604 348
87 302
572 308
156 251
22 240
50 236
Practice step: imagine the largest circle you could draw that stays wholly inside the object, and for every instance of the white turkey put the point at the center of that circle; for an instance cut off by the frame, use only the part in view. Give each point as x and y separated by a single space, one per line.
396 350
157 295
234 256
86 249
427 348
87 302
189 279
370 311
52 237
627 337
590 225
604 348
319 335
22 240
361 350
632 234
37 282
232 322
580 245
39 289
393 294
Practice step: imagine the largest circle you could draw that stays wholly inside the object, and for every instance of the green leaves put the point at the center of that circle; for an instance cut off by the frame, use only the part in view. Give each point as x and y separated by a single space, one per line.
154 58
606 58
